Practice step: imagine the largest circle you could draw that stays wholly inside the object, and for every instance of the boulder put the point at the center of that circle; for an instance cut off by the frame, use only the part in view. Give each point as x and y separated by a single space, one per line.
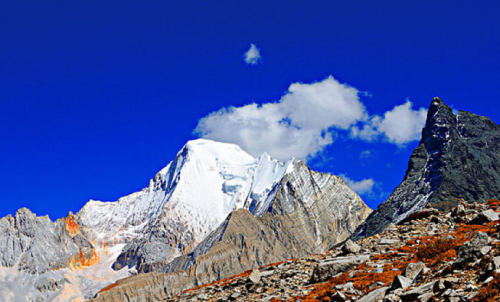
474 249
421 293
401 282
350 247
496 264
413 270
386 241
255 276
392 298
484 217
443 284
324 270
375 295
253 280
458 211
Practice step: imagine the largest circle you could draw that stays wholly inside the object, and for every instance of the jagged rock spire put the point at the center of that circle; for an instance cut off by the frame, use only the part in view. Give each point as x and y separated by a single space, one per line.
457 158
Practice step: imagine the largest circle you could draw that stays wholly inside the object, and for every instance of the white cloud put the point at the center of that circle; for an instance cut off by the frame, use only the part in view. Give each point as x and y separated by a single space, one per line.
306 119
300 124
252 55
364 186
400 125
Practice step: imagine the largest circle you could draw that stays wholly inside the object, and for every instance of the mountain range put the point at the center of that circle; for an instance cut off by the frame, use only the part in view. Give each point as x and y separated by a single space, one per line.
212 200
215 211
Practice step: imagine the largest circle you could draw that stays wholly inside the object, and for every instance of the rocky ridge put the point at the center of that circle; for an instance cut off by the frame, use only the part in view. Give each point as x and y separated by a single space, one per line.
203 217
303 218
431 256
457 158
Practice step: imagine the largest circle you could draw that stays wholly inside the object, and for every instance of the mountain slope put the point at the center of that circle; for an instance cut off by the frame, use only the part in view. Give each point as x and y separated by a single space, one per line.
457 158
308 212
180 208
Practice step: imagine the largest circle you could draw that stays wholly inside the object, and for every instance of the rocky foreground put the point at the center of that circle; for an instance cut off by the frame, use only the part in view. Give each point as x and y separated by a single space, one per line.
429 256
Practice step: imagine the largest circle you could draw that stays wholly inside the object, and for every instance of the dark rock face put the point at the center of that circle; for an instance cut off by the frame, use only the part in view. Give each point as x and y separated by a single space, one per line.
457 158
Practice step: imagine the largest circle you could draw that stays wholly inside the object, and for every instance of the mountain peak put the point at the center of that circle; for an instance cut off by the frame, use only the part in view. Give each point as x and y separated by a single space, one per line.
456 158
438 106
207 144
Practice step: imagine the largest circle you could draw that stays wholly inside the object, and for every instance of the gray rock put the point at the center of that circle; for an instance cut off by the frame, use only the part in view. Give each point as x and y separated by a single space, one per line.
457 157
413 270
326 269
253 280
386 241
401 282
488 280
378 270
458 211
414 294
38 245
255 276
234 296
350 247
496 264
49 284
474 249
484 217
392 298
443 284
375 295
425 297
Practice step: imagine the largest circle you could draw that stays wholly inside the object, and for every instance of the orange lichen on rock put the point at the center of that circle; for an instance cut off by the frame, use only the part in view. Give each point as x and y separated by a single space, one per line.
105 248
83 260
494 204
431 250
223 281
113 285
362 279
236 277
71 225
434 250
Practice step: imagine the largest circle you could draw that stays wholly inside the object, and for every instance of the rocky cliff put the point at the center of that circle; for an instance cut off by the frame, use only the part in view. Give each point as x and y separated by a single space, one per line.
457 158
308 212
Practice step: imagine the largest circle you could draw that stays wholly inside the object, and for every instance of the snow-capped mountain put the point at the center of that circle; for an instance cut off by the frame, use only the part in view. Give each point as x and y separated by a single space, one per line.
185 201
182 205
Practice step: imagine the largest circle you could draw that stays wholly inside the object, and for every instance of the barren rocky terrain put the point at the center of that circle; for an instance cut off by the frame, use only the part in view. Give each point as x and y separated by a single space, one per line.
429 256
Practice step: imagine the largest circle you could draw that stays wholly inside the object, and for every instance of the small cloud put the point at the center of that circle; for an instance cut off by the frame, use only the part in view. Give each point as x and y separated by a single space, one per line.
364 186
252 56
399 126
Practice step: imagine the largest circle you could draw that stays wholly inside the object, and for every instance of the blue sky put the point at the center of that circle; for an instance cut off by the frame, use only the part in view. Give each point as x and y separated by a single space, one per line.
97 97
